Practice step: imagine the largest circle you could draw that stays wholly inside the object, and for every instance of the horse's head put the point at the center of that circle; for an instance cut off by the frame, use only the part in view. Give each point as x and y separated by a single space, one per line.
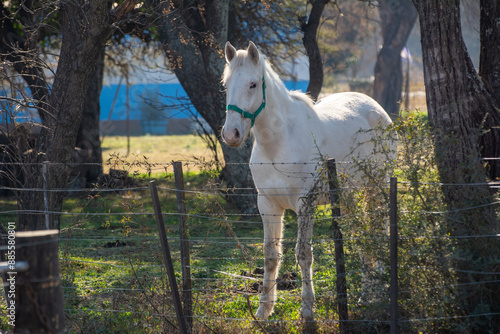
245 92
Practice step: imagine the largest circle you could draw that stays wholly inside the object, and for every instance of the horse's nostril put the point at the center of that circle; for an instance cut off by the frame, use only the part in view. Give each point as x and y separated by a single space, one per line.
236 134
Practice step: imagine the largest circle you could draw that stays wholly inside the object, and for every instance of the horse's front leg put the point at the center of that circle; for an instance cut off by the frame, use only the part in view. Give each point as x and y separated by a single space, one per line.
304 256
273 232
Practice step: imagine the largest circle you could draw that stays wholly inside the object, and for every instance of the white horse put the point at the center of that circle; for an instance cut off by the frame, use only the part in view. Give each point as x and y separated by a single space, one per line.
290 132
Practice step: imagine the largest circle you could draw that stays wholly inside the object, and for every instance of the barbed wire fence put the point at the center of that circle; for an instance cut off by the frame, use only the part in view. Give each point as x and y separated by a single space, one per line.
125 280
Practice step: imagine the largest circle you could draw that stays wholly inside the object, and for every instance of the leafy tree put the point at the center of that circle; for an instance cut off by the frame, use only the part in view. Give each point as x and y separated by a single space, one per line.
85 26
192 32
463 113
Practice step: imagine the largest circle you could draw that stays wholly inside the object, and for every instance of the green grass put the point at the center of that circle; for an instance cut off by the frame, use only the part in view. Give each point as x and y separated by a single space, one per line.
91 269
94 274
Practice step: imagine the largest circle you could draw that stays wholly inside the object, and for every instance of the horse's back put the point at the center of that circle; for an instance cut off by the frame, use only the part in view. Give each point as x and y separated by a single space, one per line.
353 106
353 122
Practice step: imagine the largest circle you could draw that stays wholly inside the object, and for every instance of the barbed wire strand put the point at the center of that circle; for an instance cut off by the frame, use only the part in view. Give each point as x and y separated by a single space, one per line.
235 275
326 321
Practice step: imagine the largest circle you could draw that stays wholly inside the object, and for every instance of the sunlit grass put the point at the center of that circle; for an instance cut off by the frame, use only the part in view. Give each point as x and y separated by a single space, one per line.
158 149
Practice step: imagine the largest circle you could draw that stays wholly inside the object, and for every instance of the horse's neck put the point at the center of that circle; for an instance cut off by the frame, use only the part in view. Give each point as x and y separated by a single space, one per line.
271 130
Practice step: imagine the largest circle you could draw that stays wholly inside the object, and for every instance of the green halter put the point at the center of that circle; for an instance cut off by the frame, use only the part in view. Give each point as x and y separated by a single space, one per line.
246 114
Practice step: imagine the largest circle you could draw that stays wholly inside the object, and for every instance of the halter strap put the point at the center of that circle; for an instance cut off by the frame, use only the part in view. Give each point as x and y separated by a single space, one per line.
246 114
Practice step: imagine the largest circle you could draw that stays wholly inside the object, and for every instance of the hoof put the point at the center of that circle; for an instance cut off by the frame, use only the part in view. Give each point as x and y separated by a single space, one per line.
310 327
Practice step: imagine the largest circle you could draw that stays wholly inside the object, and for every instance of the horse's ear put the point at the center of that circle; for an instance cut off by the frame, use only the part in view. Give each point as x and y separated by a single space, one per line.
230 52
253 52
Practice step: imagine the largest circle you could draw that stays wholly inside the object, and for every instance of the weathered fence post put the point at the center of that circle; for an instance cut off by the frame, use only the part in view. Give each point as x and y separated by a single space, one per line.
38 291
339 247
167 258
187 294
393 217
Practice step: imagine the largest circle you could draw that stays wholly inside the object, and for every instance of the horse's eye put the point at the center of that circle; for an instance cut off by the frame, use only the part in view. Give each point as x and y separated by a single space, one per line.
253 85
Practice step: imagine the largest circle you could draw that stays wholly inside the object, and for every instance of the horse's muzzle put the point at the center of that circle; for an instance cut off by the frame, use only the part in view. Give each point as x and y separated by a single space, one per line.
231 137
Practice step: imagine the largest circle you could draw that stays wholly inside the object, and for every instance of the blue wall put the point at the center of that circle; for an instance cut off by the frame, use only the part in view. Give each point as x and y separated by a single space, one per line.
139 91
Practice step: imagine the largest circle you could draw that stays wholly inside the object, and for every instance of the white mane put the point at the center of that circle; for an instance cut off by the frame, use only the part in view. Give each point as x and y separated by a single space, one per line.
274 84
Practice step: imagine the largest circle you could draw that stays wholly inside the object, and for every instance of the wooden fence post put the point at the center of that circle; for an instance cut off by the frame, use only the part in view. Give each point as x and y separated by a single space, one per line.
167 258
339 247
393 217
187 294
38 290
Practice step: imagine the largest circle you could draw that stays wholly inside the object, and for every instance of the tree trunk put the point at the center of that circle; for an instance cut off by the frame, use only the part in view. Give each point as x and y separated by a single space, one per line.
489 71
310 30
194 47
456 99
88 140
489 62
85 28
397 20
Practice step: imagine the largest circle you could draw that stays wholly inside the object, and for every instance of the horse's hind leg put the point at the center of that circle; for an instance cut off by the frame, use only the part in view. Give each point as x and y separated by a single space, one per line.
273 232
304 256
